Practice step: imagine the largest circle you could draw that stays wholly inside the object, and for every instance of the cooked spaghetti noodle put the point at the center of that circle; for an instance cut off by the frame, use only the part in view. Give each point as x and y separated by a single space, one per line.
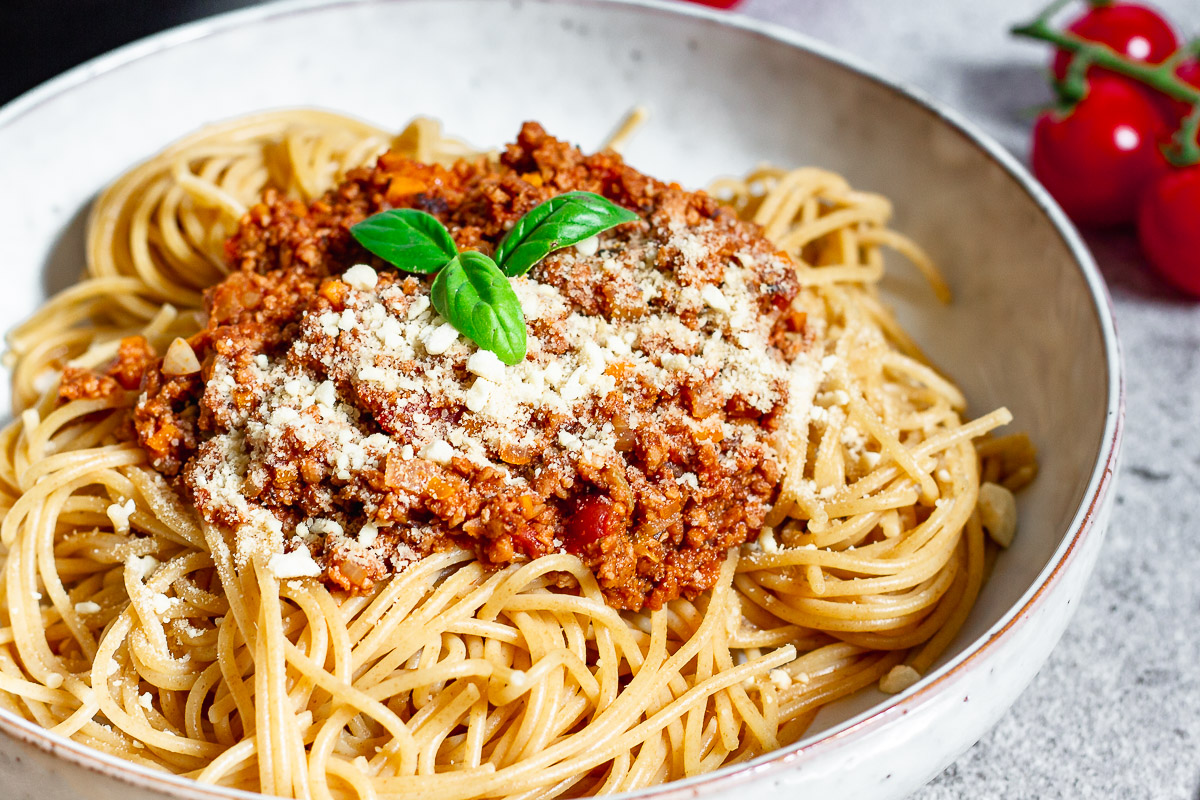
127 624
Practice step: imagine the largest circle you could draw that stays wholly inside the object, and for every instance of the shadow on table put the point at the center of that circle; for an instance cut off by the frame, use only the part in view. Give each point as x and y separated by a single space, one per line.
1126 270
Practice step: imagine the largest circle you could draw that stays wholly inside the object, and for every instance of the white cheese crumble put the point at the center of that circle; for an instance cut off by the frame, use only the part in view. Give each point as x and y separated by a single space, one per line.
119 514
160 603
142 566
296 564
486 364
326 394
478 394
441 339
766 541
361 277
781 678
438 451
325 527
419 306
87 607
715 299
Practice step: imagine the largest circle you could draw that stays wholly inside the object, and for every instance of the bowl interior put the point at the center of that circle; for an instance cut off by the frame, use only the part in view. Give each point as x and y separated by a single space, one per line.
1024 330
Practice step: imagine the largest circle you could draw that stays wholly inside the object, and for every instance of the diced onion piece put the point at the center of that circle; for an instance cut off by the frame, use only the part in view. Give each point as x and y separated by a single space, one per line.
998 513
898 678
180 359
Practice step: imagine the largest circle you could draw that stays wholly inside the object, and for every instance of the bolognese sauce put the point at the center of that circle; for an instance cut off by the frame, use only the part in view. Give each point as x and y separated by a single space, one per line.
342 429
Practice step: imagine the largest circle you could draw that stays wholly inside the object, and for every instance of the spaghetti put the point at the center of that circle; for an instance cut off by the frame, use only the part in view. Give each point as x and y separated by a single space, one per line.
127 623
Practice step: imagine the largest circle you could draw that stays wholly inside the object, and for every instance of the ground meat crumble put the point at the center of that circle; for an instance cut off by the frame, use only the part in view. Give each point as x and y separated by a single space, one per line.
342 429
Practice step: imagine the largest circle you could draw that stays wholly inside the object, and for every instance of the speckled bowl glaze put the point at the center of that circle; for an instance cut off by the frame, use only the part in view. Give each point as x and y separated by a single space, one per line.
1031 327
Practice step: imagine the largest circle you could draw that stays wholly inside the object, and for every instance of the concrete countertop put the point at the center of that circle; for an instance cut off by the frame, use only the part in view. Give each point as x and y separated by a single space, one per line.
1116 710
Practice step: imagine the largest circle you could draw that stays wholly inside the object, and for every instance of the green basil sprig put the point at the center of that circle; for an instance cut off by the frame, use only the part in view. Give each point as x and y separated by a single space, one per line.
471 291
475 296
559 222
406 238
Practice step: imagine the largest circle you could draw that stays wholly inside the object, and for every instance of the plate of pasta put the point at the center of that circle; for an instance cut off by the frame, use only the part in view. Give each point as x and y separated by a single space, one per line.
529 405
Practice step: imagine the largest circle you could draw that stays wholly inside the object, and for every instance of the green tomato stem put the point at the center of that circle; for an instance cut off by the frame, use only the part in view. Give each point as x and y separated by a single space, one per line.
1155 76
1074 85
1160 77
1185 51
1185 149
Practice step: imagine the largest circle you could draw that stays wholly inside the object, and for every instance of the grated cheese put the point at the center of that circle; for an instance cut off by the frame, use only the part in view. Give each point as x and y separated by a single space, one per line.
296 564
440 339
361 276
713 297
477 396
160 603
142 566
486 364
438 451
767 542
119 514
386 354
780 678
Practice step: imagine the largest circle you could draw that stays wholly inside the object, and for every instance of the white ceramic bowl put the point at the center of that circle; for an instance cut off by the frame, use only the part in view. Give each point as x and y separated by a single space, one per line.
1031 327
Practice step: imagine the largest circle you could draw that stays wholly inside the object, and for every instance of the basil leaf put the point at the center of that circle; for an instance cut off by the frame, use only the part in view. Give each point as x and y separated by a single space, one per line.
559 222
410 240
474 296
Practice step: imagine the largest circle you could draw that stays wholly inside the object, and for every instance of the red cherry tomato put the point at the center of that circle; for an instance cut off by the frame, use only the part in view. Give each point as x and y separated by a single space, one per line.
595 517
1132 30
1169 230
718 3
1189 72
1097 159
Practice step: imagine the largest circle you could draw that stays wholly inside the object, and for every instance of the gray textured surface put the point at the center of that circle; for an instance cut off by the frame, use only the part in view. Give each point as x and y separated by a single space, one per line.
1116 711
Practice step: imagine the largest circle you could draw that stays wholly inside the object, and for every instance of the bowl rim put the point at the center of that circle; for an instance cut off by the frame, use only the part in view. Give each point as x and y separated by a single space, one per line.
1082 526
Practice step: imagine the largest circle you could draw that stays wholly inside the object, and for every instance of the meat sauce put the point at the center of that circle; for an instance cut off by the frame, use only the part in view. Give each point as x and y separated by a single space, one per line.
651 460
